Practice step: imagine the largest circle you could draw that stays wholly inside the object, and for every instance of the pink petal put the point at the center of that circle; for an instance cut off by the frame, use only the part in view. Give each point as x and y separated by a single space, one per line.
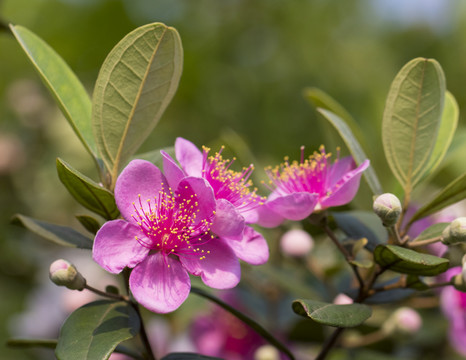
171 170
140 177
345 189
252 248
198 189
268 218
219 269
160 283
115 246
295 206
339 168
228 222
189 156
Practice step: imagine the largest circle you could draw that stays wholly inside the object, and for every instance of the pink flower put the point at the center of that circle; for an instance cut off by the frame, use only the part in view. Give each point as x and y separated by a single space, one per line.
164 236
299 188
453 303
236 203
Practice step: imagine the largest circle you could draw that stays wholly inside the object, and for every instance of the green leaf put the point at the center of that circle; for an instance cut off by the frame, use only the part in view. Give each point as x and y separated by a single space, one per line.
188 356
360 224
135 85
87 192
94 330
355 149
448 124
248 321
28 343
412 118
349 315
408 261
432 232
413 282
65 87
91 224
61 235
451 194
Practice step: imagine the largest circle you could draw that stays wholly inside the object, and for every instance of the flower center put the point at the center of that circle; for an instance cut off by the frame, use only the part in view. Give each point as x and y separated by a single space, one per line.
228 184
169 223
308 175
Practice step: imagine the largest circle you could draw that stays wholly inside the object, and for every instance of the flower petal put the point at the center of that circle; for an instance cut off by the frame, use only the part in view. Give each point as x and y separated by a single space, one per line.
219 269
140 177
228 222
115 246
345 189
338 169
200 190
171 170
295 206
251 216
268 218
160 283
252 248
189 156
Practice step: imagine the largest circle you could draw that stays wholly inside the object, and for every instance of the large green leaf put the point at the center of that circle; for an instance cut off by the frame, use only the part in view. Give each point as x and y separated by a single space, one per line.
65 87
354 147
188 356
452 193
448 124
87 192
135 84
61 235
407 261
412 118
95 329
349 315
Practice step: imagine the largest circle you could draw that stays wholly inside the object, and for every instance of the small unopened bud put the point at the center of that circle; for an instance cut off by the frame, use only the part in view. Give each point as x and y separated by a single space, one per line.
266 352
63 273
342 299
459 282
404 320
388 208
455 233
296 242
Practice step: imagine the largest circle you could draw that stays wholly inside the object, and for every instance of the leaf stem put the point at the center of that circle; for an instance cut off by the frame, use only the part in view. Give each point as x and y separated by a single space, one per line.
106 294
149 355
424 242
329 343
247 320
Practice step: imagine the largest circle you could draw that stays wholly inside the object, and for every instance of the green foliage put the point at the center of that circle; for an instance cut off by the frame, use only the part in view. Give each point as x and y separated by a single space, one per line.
349 315
432 232
411 120
451 194
91 224
69 93
87 192
135 85
94 330
414 282
408 261
354 147
61 235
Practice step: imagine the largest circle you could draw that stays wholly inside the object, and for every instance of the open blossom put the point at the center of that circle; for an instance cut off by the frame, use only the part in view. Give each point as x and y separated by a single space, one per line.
312 184
165 235
236 202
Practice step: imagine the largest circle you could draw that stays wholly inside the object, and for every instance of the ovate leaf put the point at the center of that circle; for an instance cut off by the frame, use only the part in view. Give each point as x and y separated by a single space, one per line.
452 193
407 261
448 124
87 192
63 84
95 329
355 149
61 235
432 232
91 224
135 85
349 315
412 118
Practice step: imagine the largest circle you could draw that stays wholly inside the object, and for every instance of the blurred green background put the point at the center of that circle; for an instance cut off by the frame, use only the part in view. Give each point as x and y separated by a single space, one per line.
246 63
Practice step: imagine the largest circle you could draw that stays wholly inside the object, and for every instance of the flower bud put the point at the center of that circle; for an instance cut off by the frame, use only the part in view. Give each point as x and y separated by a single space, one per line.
388 208
459 282
63 273
342 299
296 242
455 232
404 320
266 352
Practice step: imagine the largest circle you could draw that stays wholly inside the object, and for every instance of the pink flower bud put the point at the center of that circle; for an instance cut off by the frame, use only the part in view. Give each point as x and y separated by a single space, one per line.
342 299
296 242
388 207
63 273
407 320
455 233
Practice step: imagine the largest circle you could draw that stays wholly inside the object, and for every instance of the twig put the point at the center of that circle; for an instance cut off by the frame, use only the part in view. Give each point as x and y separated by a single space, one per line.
329 343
